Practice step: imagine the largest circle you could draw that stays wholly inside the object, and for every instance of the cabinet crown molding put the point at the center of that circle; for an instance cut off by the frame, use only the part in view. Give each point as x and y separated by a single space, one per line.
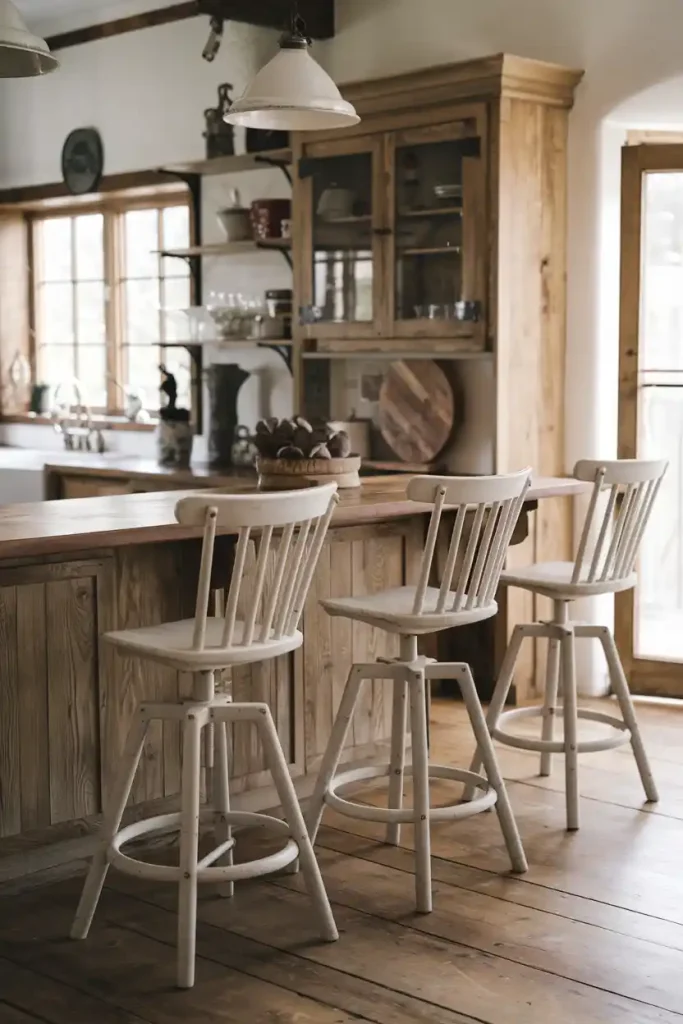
501 74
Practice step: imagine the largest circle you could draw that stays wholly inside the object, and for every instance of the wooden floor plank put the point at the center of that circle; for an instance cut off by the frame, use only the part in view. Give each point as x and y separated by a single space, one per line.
639 970
445 973
609 776
135 974
619 856
364 999
54 1002
12 1015
593 932
442 972
513 889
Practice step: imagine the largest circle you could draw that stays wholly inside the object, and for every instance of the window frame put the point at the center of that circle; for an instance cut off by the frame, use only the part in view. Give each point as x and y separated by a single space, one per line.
113 206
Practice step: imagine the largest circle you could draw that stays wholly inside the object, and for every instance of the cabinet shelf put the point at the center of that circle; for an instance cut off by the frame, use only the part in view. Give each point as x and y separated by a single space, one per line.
361 218
437 211
436 250
399 354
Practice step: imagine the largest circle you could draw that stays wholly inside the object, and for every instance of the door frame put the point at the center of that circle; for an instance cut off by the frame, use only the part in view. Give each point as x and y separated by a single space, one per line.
646 675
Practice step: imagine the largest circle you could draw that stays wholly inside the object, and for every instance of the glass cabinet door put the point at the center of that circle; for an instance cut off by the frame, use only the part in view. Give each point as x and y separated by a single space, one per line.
340 256
439 232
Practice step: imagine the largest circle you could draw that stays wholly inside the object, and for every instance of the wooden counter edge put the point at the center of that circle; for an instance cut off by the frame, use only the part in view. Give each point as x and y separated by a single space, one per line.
81 524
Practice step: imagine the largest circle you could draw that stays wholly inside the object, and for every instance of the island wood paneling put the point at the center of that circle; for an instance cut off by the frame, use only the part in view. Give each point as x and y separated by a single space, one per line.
355 561
49 744
152 584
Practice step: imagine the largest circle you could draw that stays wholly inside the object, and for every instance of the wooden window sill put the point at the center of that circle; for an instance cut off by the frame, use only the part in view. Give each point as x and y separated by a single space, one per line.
98 423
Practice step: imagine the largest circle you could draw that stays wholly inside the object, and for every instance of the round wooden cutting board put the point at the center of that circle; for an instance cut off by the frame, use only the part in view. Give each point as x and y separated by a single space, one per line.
416 409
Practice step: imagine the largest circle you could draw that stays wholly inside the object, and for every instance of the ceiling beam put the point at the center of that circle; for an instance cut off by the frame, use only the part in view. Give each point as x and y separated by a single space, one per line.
318 16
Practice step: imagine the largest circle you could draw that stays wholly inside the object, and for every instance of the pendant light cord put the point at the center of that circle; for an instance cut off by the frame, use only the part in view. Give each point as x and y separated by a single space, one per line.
296 35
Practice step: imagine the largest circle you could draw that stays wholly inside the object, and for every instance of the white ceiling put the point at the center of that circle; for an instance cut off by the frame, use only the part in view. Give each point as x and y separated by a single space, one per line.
52 16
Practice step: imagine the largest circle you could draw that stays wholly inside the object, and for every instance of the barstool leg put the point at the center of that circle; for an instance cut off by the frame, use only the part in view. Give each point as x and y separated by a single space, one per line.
332 754
620 687
500 695
423 855
100 863
398 754
221 797
552 682
189 839
569 707
486 750
297 826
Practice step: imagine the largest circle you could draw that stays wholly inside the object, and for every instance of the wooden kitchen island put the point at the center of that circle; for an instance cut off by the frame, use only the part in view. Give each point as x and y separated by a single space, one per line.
72 570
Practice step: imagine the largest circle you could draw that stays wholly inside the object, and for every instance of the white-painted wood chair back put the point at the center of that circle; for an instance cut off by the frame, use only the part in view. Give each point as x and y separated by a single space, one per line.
609 542
476 557
288 529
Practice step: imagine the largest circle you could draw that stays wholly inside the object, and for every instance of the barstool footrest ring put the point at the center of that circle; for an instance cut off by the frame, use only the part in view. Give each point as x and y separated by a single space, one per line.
450 812
206 870
620 732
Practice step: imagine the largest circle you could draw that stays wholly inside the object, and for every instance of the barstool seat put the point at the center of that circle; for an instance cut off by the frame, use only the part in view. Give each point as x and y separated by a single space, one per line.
171 643
604 564
392 611
287 530
556 580
486 511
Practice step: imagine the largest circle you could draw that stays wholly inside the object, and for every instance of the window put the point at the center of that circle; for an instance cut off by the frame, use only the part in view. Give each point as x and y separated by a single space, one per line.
104 299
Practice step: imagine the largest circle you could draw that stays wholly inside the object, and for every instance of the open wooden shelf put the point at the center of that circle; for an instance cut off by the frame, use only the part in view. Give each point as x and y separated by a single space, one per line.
229 248
202 342
232 164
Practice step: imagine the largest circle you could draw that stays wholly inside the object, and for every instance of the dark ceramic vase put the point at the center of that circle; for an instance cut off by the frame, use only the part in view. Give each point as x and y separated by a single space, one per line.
225 381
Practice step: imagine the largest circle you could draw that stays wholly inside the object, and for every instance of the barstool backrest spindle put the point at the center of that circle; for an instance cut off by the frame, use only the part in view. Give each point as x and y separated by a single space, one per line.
287 529
486 512
612 533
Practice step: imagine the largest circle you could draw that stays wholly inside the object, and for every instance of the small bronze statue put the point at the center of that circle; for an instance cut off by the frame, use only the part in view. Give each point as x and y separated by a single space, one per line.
169 388
174 433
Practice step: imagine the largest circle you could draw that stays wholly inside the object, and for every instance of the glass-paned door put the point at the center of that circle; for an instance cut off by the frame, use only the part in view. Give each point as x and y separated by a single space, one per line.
438 231
650 620
340 252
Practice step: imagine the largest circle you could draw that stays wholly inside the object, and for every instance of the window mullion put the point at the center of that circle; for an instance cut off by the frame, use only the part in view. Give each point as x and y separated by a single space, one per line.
161 288
74 302
112 258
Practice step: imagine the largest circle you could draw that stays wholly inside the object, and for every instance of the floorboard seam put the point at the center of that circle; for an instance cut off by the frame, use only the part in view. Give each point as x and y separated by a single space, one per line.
486 952
523 881
337 970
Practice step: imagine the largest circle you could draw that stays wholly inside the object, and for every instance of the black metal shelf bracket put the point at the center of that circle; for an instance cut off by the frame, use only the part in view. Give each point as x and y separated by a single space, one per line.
276 248
194 184
284 351
282 165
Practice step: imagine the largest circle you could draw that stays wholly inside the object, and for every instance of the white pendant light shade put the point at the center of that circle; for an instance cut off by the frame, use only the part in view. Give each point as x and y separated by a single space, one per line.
22 55
292 93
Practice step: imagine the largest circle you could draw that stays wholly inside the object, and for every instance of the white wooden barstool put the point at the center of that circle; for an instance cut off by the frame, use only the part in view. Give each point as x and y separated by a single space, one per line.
288 529
605 564
486 511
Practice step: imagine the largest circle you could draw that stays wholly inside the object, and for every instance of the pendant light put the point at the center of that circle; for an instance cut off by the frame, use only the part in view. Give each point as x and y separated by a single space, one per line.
292 92
22 55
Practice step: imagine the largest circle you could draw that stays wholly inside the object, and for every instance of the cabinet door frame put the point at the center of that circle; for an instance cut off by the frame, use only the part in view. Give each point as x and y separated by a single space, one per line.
303 240
465 121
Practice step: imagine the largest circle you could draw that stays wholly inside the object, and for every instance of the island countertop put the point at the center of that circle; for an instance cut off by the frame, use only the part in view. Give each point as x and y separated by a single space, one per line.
78 524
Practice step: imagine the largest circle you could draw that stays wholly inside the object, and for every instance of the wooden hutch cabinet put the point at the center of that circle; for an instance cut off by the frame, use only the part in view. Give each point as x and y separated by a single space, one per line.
437 227
392 237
